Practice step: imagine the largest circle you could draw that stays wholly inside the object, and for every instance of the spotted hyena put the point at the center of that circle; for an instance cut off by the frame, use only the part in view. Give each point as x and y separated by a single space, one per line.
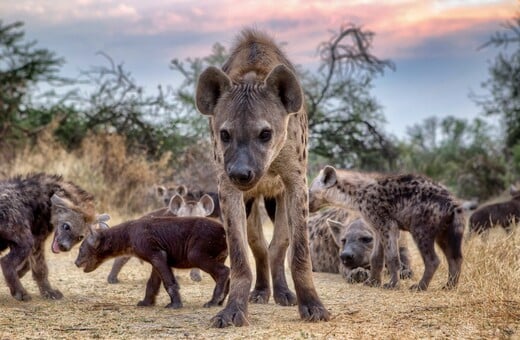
342 242
390 203
31 208
505 214
177 206
259 133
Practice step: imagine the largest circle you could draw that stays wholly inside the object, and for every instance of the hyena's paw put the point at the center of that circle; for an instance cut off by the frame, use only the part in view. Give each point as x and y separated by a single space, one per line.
418 287
145 303
112 279
22 295
357 275
230 316
260 296
284 297
406 274
195 275
391 285
174 305
51 294
314 311
370 282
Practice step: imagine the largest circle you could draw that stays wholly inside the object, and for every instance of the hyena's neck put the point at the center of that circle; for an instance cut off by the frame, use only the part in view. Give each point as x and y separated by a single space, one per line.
350 195
115 242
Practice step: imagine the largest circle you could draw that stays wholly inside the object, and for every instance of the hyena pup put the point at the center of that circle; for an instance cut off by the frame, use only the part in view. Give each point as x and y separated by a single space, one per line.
504 214
164 242
31 207
342 242
390 203
177 207
259 133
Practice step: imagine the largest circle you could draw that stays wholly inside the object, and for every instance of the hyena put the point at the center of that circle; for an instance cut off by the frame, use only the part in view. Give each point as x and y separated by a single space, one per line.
164 242
176 207
31 207
259 133
342 242
390 203
504 214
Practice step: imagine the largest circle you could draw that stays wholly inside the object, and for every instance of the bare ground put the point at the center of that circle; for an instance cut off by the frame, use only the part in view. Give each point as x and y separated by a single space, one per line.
485 305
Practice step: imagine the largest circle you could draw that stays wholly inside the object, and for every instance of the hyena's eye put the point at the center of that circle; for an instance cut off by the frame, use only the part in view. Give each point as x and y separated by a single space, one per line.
65 226
265 135
225 137
366 239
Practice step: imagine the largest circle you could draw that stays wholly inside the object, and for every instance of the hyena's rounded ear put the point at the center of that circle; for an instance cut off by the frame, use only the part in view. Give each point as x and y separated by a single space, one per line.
176 202
182 190
335 227
160 190
328 176
101 221
207 204
61 201
283 83
213 82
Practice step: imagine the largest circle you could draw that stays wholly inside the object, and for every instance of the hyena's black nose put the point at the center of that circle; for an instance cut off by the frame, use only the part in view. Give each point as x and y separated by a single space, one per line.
346 257
241 175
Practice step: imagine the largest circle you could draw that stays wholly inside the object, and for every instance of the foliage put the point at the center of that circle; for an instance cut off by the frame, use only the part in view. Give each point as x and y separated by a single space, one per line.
461 154
503 86
23 66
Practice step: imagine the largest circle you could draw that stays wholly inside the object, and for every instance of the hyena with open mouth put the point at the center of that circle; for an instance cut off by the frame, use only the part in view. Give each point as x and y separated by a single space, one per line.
31 207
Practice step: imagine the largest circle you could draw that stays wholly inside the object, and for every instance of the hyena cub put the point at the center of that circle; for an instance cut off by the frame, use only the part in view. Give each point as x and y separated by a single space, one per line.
177 207
400 202
31 207
342 242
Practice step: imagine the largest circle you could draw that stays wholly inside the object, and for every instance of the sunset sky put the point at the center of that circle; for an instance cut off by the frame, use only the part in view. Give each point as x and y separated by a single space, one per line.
433 43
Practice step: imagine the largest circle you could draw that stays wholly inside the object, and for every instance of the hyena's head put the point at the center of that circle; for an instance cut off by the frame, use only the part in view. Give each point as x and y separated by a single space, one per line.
89 257
165 192
201 208
322 189
71 222
249 119
355 241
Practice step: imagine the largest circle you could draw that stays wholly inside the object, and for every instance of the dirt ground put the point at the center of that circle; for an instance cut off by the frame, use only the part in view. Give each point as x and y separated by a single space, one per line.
92 308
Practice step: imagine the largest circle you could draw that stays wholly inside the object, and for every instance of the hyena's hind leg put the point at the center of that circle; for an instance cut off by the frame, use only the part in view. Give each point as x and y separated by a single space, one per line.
20 249
258 244
426 245
116 268
278 250
450 241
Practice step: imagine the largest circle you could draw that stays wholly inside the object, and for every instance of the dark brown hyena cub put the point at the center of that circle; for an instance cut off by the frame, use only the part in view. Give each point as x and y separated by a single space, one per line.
31 207
164 242
392 203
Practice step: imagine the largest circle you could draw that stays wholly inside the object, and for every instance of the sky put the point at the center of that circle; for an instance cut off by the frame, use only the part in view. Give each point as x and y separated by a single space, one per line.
433 43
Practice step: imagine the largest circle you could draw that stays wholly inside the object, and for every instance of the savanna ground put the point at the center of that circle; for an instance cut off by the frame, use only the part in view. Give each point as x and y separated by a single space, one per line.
485 305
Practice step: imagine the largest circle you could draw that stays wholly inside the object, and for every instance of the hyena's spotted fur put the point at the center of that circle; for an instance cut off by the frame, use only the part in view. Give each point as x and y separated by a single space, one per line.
259 133
390 203
342 242
31 207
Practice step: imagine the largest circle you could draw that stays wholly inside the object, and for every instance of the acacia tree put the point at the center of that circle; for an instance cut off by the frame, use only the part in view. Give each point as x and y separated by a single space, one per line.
345 120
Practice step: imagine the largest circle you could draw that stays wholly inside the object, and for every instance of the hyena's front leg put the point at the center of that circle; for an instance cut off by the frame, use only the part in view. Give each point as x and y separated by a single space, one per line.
277 251
309 304
234 218
40 273
376 262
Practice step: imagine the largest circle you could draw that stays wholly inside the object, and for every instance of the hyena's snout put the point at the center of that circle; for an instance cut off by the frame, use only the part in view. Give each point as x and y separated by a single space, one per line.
240 174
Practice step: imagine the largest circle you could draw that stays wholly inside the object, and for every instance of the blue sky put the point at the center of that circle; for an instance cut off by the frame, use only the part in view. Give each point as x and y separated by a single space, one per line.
432 42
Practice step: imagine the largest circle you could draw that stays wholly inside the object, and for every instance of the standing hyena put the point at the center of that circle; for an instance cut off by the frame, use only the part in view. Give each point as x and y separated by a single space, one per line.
392 203
30 208
259 132
342 242
177 207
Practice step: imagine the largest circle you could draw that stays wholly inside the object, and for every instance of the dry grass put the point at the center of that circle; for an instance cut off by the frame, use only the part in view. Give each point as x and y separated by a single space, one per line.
485 305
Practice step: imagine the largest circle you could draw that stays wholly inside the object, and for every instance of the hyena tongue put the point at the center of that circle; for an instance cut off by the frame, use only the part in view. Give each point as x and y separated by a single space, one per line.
55 247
